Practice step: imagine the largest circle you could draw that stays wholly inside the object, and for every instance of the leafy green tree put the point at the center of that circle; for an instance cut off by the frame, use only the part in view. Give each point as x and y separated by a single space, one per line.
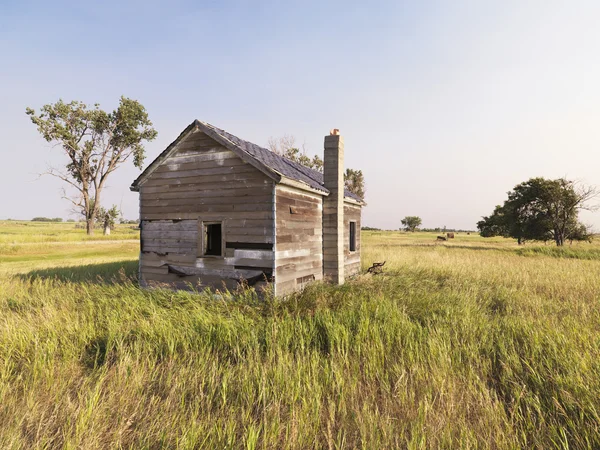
95 143
107 218
411 223
354 180
47 219
294 154
541 209
286 146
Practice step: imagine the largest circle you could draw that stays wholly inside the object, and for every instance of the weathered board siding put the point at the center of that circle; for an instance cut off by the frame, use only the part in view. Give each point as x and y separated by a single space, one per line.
351 259
204 181
299 235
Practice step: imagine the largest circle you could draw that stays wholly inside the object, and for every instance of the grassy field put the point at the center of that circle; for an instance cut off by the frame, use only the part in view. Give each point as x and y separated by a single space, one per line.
472 343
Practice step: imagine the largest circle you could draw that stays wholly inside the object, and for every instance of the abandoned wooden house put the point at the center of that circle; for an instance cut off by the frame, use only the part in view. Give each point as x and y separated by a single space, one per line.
216 210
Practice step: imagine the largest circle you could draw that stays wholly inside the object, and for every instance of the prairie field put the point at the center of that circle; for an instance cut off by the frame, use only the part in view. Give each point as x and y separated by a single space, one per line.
470 343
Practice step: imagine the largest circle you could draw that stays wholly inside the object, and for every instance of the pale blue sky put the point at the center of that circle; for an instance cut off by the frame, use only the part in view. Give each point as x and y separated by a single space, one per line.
444 105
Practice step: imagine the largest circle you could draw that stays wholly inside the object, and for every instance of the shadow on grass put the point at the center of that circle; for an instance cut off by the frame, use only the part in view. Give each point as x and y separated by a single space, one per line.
104 273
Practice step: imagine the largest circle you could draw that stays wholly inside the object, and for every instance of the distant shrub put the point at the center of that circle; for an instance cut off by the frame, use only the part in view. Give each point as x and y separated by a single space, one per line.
47 219
370 229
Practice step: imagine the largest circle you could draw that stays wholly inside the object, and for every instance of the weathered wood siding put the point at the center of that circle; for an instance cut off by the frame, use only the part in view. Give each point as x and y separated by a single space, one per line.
351 259
204 181
299 239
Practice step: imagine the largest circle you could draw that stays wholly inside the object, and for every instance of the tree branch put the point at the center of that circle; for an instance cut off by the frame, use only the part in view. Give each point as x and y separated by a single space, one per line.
55 173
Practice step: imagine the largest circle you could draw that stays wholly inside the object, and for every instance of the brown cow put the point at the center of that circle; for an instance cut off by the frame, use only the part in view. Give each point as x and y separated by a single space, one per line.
441 238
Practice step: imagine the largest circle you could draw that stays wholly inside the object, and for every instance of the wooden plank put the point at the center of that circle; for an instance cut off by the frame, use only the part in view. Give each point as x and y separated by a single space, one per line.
292 259
249 201
215 212
231 178
198 144
303 212
264 214
289 225
206 155
240 173
182 243
265 255
169 225
199 207
310 266
301 239
247 231
198 187
284 201
249 238
185 235
190 197
253 262
180 258
188 160
287 275
224 170
172 167
207 262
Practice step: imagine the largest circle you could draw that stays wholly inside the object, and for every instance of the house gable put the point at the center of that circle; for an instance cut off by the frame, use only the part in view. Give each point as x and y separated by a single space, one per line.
194 135
199 175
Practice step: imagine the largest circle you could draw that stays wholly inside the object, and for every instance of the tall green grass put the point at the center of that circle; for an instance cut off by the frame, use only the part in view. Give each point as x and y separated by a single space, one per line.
451 347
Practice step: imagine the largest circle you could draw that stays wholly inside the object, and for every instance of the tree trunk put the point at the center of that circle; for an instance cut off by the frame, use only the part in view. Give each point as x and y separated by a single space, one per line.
559 238
107 230
90 226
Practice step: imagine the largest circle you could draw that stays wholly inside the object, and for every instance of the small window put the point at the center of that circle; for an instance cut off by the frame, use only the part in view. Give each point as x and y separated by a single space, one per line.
352 236
213 242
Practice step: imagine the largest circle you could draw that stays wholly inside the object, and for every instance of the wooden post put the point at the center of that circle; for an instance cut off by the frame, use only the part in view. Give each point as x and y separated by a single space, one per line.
333 209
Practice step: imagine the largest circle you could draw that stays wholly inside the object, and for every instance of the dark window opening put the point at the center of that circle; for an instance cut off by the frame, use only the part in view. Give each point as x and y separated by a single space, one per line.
352 236
213 242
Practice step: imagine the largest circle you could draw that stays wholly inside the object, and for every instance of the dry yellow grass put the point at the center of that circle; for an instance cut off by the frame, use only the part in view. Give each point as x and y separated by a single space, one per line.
466 344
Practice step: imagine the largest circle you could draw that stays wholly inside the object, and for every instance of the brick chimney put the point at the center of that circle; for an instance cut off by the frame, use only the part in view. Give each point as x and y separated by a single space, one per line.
333 208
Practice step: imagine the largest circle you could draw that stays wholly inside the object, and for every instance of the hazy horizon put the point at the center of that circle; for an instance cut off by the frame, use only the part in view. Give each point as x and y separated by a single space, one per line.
444 107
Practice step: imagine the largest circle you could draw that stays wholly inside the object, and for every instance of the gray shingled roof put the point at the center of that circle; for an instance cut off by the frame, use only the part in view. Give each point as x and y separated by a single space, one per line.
266 157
